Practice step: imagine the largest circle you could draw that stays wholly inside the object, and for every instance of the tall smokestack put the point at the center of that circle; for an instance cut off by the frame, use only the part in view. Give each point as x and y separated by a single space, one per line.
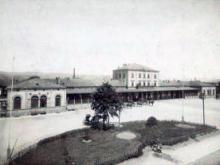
74 73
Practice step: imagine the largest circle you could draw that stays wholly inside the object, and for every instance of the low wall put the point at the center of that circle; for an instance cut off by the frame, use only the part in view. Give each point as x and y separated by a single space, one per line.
78 106
26 112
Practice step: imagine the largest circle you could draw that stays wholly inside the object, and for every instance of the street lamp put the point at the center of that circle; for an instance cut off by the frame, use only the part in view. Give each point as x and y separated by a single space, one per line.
202 96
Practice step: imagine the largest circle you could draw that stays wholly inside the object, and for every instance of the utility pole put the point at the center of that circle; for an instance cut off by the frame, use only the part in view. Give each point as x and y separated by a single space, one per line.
10 109
74 73
203 108
202 96
183 96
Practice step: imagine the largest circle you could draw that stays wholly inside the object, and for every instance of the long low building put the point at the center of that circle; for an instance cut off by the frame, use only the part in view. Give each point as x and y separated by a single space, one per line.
83 95
35 95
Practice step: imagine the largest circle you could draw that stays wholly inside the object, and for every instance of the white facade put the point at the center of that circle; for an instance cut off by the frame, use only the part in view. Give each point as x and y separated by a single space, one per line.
132 78
26 96
209 91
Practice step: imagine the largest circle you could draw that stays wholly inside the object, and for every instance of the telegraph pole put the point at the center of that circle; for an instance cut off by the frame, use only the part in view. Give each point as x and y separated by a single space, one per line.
203 108
10 109
202 96
183 95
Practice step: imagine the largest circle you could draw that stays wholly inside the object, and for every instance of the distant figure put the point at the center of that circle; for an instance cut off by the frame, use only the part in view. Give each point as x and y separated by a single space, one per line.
151 102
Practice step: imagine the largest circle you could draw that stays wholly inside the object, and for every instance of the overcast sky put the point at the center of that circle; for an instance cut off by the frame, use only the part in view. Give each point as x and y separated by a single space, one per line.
181 38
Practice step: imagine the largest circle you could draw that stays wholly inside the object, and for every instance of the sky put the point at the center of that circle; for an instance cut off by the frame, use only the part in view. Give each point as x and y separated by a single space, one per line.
181 38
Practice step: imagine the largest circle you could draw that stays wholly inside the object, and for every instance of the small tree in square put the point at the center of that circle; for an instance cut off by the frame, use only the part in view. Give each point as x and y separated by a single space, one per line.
106 102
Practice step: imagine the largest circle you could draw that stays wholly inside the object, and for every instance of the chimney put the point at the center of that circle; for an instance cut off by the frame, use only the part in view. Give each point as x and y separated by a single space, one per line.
74 73
57 80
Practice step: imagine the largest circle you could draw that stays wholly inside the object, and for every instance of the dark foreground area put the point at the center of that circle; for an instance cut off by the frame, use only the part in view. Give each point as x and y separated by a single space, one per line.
88 147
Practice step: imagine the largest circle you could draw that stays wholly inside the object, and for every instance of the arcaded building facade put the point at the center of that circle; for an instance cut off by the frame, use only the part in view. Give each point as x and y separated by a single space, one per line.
35 95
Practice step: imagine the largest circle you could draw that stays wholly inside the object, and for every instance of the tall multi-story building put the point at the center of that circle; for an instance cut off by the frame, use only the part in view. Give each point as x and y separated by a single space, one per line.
135 75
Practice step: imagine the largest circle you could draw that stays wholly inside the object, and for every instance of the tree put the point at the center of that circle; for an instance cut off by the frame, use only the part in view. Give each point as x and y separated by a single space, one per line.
106 102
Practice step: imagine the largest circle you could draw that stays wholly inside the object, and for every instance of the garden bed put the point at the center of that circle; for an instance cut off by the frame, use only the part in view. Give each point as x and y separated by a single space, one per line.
104 146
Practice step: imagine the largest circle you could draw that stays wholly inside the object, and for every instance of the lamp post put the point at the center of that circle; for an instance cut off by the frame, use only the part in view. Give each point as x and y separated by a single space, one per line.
202 96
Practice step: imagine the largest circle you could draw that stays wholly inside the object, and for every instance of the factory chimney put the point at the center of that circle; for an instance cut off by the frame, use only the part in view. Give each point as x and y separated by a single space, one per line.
74 73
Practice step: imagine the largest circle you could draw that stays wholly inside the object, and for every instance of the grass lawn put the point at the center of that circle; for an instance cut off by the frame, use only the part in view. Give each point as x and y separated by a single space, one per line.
105 147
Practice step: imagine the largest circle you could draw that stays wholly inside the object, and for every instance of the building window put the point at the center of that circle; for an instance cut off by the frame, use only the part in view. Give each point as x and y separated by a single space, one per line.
132 75
148 75
57 101
155 76
144 84
34 101
17 102
148 83
209 92
213 91
144 75
155 83
123 75
139 75
43 101
132 84
139 83
119 76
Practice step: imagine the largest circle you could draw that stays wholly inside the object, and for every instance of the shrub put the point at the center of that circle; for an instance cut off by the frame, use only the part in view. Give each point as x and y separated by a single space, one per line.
43 112
151 121
174 140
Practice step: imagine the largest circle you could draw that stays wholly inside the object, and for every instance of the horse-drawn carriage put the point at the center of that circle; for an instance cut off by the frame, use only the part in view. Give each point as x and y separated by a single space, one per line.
156 146
98 121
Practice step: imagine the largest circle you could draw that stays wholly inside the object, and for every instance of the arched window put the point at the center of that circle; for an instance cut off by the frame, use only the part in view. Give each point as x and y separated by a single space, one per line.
34 101
43 101
57 101
17 102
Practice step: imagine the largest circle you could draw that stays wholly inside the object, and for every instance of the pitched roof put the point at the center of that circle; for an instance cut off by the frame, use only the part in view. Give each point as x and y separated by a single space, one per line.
6 81
136 67
79 82
187 83
200 84
76 82
36 83
130 90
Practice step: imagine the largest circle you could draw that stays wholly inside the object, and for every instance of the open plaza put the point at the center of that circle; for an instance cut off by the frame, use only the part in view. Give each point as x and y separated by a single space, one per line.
28 130
126 82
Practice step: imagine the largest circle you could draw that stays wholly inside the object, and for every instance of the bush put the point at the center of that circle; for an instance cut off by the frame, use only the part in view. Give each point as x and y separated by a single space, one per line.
174 140
151 121
43 112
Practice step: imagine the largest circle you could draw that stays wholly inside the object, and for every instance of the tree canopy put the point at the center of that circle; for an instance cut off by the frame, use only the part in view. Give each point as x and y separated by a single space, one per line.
106 101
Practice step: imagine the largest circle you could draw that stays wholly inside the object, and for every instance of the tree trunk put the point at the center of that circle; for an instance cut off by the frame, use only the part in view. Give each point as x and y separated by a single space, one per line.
103 124
119 118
